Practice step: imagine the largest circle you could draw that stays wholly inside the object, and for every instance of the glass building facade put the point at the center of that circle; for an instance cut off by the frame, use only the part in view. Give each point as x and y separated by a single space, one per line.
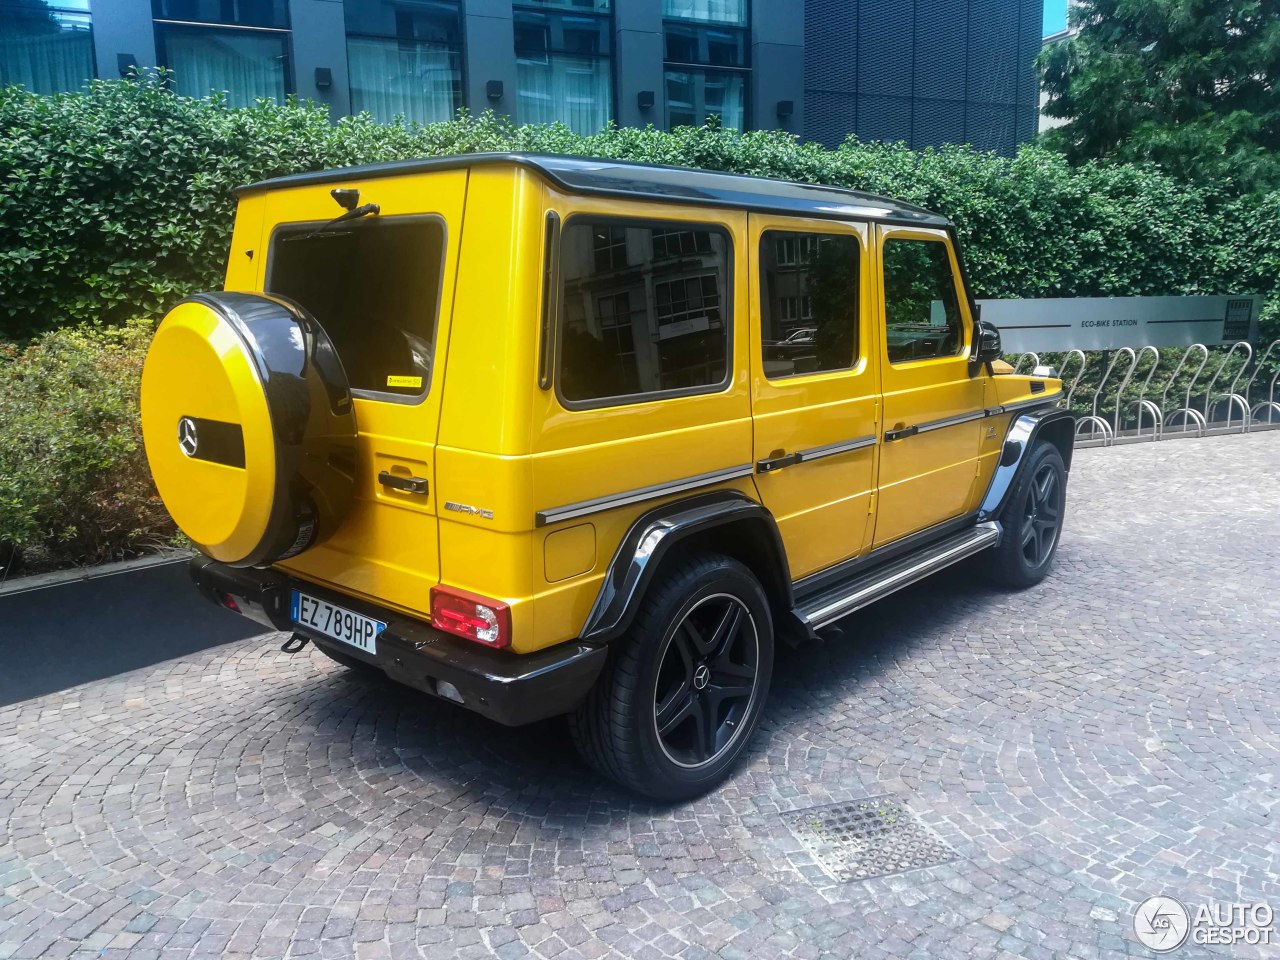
404 60
237 48
706 62
928 72
45 47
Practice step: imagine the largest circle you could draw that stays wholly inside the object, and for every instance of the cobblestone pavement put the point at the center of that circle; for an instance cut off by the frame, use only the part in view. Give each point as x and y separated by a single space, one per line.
1110 735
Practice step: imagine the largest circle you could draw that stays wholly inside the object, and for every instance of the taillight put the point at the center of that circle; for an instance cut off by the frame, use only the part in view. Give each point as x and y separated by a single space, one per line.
471 616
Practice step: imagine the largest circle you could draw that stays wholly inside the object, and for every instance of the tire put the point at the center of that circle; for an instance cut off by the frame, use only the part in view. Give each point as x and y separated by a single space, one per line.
354 664
1032 521
703 629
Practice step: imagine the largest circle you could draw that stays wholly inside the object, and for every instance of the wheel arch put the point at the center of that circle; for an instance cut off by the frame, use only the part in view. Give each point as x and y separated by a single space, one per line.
725 522
1052 424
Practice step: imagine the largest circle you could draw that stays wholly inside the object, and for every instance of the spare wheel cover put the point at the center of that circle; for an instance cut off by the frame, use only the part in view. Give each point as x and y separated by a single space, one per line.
249 427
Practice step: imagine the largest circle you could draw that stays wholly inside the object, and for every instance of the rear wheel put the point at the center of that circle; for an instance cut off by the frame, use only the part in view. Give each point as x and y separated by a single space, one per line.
1032 521
685 686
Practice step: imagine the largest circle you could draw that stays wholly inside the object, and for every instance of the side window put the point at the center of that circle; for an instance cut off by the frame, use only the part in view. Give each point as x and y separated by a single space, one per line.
643 310
921 308
809 286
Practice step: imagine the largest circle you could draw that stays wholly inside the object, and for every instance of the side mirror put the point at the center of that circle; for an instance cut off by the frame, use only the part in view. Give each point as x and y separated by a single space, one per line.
986 346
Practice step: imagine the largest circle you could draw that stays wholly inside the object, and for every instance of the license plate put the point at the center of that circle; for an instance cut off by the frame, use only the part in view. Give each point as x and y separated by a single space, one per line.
337 623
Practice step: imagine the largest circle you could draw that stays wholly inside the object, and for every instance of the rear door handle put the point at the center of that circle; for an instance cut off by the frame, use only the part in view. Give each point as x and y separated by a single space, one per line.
777 461
407 484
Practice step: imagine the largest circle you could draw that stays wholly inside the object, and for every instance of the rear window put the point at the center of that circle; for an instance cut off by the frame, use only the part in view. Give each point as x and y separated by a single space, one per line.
644 310
374 286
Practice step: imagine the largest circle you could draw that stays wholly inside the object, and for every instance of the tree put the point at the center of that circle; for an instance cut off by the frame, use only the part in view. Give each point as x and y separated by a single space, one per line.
1191 85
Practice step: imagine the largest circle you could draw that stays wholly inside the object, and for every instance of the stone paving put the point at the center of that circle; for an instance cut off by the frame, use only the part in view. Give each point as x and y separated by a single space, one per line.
1110 735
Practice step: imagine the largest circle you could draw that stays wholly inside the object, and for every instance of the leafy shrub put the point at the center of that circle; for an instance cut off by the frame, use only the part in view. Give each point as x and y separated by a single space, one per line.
74 484
116 201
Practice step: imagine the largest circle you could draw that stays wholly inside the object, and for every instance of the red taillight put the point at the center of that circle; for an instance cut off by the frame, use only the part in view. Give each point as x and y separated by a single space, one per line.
229 602
471 616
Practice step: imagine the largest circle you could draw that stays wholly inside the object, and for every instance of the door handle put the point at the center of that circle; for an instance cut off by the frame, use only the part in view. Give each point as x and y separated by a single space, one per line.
407 484
900 432
777 461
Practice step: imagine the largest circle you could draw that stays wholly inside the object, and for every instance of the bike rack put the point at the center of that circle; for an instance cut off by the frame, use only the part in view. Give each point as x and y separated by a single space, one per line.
1035 361
1233 399
1094 421
1071 387
1141 405
1270 405
1189 415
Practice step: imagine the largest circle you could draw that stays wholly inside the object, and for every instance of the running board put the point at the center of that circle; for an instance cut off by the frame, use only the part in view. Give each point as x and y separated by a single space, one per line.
844 598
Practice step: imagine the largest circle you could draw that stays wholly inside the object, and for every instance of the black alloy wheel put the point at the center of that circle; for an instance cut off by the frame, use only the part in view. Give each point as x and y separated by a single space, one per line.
1042 515
684 687
1031 521
706 680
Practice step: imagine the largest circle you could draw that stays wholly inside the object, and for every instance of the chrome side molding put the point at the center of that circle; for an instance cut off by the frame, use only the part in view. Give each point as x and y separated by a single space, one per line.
583 508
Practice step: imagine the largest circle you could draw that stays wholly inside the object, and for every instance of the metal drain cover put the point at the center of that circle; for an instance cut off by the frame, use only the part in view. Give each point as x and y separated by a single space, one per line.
867 838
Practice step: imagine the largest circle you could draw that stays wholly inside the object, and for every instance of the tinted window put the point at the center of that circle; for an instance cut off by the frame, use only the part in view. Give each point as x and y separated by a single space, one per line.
922 312
375 288
642 310
809 286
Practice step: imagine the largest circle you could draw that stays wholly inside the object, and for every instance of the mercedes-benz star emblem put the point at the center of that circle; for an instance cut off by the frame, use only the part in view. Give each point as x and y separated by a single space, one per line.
188 439
701 677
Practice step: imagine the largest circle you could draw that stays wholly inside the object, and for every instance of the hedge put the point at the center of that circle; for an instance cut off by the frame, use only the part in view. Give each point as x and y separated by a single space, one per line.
116 201
74 484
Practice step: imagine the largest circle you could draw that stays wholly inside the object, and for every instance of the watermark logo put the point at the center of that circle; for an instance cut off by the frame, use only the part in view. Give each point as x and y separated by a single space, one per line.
1163 924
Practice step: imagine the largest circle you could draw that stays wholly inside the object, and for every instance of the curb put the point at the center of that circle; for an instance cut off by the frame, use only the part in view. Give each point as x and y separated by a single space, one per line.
57 578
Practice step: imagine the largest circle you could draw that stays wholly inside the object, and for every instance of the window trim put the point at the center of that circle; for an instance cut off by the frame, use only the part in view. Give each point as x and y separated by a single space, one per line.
963 302
381 396
859 348
727 310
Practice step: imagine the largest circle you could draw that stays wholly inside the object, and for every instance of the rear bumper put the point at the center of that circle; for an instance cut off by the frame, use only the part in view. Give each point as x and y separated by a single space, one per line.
510 688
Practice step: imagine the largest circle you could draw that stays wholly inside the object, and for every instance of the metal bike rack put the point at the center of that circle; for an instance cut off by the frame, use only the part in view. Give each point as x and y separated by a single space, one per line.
1075 382
1269 405
1034 357
1189 415
1141 405
1094 421
1233 399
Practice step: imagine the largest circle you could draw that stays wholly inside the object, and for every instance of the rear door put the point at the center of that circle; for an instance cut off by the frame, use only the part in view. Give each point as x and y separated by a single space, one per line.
814 389
382 287
933 408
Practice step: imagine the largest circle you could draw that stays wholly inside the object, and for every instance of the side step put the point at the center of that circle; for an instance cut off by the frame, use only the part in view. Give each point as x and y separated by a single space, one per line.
844 598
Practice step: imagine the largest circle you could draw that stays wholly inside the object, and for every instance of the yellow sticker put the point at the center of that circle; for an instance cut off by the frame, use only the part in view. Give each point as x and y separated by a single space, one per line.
415 382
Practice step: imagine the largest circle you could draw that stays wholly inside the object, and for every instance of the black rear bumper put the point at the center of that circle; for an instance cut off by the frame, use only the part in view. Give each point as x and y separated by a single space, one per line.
510 688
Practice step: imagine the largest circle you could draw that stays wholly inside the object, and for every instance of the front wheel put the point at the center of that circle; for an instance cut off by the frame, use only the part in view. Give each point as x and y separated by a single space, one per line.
684 688
1032 521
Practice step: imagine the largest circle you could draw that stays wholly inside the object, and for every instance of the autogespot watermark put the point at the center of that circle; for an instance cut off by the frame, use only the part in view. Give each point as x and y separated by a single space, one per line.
1163 924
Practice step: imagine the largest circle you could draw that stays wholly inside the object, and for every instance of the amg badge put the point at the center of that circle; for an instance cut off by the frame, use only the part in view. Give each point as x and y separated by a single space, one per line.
466 508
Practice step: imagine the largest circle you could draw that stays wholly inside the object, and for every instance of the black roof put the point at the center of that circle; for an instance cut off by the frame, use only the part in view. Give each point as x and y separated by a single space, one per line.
642 181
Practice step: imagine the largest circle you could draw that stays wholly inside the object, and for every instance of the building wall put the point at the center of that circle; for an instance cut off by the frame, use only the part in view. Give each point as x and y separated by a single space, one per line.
926 72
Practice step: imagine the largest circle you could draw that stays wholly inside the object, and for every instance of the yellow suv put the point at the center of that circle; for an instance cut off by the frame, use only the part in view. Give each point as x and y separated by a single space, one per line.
544 435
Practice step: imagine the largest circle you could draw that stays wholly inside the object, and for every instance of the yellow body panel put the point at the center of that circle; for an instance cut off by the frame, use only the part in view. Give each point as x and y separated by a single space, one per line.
823 506
387 549
496 448
930 477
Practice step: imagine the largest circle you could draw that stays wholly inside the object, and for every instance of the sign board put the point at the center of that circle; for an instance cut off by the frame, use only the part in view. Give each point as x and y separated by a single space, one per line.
1107 323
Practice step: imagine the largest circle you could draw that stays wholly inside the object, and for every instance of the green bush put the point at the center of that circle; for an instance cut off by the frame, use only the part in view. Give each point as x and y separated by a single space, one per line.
116 201
74 484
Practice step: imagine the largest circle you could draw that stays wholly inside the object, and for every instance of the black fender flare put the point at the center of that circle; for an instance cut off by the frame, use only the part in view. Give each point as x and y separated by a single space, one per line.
1055 424
651 538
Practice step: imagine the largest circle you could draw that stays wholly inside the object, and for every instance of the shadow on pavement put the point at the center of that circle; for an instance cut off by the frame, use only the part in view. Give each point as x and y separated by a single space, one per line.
62 636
